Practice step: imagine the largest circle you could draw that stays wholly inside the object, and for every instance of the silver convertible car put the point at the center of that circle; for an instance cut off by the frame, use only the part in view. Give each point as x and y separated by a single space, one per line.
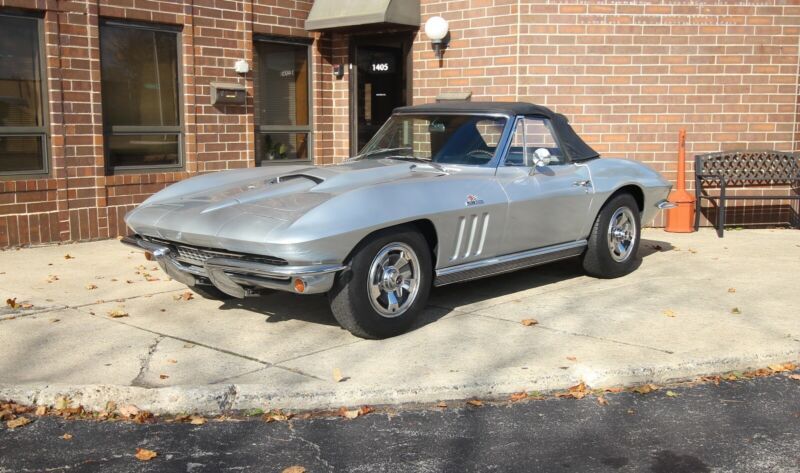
443 193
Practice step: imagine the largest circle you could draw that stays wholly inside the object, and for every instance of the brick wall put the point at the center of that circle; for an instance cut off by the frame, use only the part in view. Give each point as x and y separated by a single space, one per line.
631 74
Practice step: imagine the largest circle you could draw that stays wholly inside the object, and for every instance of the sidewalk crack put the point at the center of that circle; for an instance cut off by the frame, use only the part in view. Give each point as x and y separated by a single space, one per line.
139 379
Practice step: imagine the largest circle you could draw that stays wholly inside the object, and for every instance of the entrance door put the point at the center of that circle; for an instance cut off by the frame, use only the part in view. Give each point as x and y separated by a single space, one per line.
380 87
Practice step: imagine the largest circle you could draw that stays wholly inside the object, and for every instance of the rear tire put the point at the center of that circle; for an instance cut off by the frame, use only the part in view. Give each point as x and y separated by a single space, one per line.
614 241
386 286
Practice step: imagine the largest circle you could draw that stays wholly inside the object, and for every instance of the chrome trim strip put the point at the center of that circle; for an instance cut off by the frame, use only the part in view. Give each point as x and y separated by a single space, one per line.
665 204
507 263
269 271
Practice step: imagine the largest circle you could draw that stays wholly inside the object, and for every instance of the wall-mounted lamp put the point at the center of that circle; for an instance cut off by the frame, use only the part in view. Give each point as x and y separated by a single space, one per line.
436 30
241 66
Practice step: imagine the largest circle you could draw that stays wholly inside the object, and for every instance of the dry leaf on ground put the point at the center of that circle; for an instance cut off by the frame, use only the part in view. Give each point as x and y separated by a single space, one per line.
41 410
349 414
62 402
128 411
67 436
276 415
602 401
672 394
185 296
736 311
68 256
294 469
518 396
143 454
12 303
91 286
669 313
117 313
163 376
475 402
172 361
18 422
579 391
441 404
795 377
572 358
337 375
529 322
197 420
778 368
366 410
52 278
731 290
645 388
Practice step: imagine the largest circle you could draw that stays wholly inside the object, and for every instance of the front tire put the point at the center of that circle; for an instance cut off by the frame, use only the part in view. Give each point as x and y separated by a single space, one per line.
614 240
387 285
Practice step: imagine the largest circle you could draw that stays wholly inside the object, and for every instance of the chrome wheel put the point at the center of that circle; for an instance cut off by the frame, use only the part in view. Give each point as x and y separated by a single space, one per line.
622 234
393 280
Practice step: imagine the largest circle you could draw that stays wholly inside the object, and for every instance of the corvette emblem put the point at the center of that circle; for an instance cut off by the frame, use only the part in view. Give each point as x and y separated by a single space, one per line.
473 200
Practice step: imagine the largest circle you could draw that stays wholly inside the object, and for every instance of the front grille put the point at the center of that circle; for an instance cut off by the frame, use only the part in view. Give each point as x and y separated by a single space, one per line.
197 255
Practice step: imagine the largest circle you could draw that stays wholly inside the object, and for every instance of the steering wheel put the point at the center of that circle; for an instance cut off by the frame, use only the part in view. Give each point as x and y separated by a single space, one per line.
479 154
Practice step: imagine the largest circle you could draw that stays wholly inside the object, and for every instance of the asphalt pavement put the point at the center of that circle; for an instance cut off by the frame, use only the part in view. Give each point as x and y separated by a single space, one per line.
741 426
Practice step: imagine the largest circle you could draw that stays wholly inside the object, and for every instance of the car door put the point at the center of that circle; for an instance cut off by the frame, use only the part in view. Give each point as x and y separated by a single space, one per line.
548 203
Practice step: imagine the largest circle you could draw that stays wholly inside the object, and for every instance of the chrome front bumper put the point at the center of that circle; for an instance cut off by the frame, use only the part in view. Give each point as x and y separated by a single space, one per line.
239 277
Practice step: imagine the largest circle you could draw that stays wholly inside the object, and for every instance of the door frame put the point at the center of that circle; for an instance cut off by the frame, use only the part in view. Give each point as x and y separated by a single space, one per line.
405 40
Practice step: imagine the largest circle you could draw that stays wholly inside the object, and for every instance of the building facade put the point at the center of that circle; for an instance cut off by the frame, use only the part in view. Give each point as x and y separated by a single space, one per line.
104 102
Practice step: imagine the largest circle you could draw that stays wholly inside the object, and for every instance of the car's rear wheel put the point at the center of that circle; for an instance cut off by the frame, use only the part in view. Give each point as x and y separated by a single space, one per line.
614 240
386 286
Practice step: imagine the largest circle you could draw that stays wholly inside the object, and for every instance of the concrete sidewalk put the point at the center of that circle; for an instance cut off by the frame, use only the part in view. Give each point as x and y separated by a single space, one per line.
696 305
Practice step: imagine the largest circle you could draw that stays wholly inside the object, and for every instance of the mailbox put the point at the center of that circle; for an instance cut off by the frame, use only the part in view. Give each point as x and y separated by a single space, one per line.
228 93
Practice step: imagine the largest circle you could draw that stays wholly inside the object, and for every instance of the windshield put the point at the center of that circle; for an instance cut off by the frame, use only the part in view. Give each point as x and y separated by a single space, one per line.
445 139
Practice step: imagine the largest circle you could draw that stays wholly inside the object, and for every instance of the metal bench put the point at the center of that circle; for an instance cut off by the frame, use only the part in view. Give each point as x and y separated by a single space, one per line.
741 169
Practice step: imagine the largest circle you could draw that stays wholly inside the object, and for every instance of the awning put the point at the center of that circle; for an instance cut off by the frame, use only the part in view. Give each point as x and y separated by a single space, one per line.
329 14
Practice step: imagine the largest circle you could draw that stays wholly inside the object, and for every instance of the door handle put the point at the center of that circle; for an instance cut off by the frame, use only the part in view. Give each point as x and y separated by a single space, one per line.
585 183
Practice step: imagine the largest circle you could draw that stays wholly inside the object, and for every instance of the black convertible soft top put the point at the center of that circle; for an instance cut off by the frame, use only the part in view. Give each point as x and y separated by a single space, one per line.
575 148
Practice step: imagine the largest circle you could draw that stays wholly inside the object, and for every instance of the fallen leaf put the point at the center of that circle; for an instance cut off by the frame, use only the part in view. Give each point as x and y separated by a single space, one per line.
672 394
41 410
736 311
276 415
142 454
349 414
67 436
631 411
197 420
475 402
442 404
52 278
185 296
669 313
294 469
795 377
366 410
91 286
143 417
645 388
128 411
780 368
52 321
337 375
163 376
578 391
117 313
189 345
518 396
149 278
12 303
529 322
172 361
62 402
572 358
731 290
25 305
602 401
68 256
18 422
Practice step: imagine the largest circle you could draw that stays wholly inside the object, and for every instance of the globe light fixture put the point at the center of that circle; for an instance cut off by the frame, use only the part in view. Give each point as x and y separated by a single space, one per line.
436 30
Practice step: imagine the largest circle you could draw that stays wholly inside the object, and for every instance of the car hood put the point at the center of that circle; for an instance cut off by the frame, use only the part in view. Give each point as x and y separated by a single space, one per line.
252 204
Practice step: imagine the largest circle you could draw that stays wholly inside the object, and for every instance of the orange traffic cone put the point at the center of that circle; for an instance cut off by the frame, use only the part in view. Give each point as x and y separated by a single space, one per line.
681 218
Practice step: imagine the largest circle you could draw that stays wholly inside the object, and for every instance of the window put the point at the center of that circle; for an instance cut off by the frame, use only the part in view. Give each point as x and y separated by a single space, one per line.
445 139
531 135
141 99
283 131
23 134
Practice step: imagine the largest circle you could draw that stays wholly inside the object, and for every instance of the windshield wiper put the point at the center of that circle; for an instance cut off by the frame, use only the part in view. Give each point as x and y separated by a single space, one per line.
381 151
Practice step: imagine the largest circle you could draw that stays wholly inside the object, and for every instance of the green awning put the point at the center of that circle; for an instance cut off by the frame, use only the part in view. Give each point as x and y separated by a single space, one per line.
329 14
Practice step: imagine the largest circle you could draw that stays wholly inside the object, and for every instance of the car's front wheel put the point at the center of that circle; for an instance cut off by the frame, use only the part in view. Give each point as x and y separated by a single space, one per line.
386 286
614 240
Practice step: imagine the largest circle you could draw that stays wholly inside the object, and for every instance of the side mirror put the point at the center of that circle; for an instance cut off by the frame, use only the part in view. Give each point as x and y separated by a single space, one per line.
542 157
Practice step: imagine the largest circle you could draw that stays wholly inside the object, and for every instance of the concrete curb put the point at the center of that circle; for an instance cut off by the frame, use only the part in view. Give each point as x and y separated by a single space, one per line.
214 399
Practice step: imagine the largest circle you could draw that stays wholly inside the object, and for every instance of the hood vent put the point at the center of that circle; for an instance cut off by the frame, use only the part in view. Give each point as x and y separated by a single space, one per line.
289 177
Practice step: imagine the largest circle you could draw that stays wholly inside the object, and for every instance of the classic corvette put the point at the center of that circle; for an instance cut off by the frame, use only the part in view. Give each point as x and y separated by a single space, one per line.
443 193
